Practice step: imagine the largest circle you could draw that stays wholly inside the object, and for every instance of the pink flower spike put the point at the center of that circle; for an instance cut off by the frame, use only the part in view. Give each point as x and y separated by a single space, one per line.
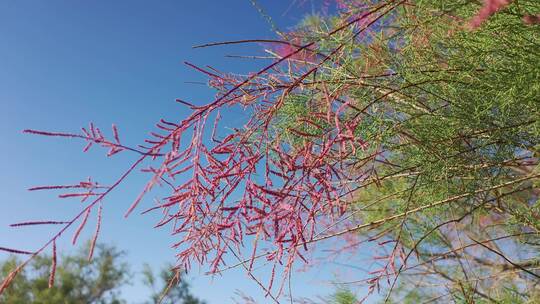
38 223
53 265
15 251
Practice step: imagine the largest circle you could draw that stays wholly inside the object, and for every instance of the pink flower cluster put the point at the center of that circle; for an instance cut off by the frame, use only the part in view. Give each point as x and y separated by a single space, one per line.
489 8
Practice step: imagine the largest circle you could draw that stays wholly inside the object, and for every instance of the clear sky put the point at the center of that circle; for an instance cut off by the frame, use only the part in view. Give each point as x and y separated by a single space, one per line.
65 63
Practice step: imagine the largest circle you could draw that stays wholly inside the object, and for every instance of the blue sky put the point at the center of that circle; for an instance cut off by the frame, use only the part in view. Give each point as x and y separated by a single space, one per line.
64 64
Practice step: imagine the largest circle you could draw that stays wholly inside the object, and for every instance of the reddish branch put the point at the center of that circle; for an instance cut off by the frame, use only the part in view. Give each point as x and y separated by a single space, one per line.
253 182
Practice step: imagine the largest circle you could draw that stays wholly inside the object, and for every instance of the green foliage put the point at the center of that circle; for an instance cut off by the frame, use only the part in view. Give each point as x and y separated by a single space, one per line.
344 296
451 118
293 132
78 280
173 289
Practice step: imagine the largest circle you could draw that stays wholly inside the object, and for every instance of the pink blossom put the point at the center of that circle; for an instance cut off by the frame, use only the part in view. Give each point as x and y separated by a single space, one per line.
531 19
489 8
